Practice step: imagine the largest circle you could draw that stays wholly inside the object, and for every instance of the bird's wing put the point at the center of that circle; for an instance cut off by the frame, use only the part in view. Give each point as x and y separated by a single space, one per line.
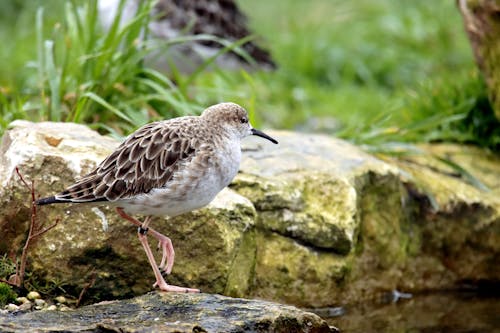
146 160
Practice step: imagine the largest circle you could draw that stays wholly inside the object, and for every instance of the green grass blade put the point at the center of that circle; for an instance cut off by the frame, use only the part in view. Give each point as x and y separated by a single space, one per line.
107 105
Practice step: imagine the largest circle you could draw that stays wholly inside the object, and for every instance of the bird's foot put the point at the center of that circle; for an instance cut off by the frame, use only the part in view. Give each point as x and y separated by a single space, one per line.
163 286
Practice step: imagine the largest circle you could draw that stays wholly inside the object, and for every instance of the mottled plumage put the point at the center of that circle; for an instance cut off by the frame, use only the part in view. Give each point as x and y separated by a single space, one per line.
167 168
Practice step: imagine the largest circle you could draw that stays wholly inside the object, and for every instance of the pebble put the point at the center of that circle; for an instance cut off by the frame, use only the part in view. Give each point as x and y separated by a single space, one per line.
65 308
11 307
25 306
40 302
33 301
32 295
21 300
51 308
60 299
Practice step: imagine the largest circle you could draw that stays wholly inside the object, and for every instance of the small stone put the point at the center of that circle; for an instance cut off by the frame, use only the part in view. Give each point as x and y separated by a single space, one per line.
22 300
40 302
32 295
25 306
51 308
60 299
65 308
11 307
4 311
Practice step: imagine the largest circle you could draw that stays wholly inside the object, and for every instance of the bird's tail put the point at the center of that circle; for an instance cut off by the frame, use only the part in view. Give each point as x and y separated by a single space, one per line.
48 201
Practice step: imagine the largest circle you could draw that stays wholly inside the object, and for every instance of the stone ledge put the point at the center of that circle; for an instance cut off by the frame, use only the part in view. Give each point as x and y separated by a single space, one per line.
170 312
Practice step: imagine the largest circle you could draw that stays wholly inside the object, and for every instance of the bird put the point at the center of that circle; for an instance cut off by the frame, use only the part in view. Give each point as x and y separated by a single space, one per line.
171 19
166 168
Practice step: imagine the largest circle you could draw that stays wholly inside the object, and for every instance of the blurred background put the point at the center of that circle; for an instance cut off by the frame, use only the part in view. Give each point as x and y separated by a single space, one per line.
381 74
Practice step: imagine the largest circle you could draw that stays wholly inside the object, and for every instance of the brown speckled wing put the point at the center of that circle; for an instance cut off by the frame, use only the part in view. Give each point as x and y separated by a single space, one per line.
146 160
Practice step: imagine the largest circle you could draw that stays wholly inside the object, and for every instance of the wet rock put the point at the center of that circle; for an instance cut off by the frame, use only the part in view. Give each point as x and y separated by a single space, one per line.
169 312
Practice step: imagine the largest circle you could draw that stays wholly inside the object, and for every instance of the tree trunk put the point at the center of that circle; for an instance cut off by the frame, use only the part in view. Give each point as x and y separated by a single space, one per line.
482 23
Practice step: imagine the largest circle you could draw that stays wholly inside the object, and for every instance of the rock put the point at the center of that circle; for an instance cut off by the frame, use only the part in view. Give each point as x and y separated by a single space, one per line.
313 221
64 308
40 302
26 306
51 307
33 295
482 23
206 242
22 300
60 299
12 307
410 224
170 312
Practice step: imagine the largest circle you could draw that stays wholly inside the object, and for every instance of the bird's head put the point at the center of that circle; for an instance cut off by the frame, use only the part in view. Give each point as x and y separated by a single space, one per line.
234 119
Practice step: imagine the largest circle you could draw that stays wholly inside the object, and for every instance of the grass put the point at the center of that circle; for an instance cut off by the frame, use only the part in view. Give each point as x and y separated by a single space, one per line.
83 75
374 72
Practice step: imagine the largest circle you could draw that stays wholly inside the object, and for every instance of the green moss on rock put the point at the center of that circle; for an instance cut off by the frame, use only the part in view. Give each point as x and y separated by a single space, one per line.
7 295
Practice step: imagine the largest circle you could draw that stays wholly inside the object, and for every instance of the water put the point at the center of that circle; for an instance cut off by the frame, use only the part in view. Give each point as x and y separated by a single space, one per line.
442 312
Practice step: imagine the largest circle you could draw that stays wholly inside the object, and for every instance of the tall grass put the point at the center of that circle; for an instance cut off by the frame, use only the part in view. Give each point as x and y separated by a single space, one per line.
84 74
380 72
96 77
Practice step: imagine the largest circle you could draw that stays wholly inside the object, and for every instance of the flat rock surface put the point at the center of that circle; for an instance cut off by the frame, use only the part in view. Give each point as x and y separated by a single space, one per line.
170 312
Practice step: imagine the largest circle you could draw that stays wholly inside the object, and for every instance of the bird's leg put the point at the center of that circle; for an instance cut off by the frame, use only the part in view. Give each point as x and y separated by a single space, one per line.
168 253
160 281
142 234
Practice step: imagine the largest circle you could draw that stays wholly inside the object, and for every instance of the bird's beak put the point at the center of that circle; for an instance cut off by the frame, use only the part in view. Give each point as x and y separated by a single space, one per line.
263 135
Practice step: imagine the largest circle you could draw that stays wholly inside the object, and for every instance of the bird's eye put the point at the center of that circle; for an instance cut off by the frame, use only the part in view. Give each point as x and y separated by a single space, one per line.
244 120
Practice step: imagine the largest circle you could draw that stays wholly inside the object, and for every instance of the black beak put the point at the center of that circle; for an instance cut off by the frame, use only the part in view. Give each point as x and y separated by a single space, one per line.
263 135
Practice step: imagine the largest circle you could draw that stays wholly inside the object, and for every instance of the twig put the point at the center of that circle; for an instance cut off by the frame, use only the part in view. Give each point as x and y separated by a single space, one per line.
35 231
86 287
24 254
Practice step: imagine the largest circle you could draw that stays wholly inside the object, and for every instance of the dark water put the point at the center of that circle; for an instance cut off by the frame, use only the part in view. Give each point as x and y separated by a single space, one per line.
443 312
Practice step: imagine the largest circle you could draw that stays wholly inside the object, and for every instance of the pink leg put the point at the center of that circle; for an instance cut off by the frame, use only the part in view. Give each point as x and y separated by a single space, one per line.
160 281
168 253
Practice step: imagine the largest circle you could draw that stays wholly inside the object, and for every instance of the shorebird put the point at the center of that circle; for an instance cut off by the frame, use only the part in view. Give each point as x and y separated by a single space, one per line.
167 168
173 18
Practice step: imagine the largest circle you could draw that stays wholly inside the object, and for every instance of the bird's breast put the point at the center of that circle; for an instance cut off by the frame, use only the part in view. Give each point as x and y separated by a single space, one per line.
228 163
